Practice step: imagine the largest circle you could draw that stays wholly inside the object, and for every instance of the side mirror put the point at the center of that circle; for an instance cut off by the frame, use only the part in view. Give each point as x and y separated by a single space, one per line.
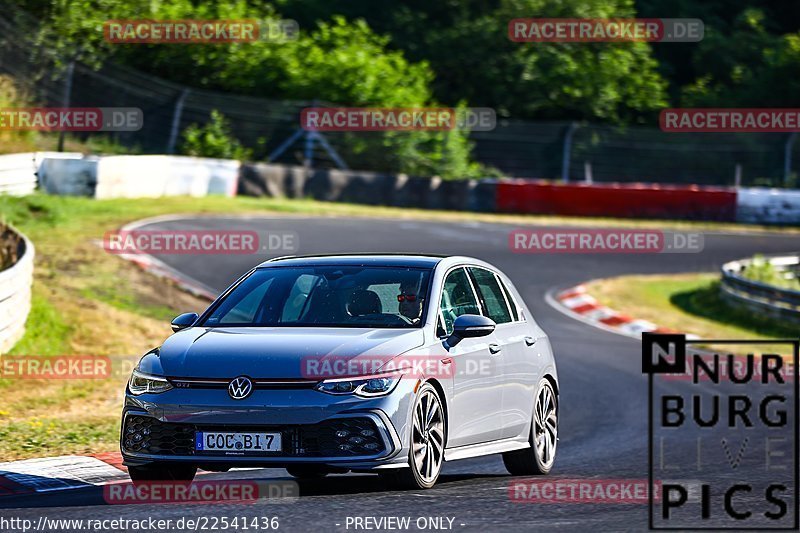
470 326
184 321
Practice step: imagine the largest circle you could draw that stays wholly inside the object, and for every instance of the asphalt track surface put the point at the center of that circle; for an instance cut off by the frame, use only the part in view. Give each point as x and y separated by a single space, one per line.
603 419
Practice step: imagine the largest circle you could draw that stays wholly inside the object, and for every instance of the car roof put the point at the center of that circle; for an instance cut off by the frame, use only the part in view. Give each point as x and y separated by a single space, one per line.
365 259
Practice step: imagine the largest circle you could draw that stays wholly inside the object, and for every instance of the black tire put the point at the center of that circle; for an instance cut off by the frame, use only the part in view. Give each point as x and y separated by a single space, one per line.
307 471
530 461
162 472
410 478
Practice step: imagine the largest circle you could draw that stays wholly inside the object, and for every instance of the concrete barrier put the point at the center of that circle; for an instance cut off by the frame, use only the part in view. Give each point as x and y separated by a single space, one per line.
69 177
18 172
15 296
371 188
616 200
275 181
768 206
152 176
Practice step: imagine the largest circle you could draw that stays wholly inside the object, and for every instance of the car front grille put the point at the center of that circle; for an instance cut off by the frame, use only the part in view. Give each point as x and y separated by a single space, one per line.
336 437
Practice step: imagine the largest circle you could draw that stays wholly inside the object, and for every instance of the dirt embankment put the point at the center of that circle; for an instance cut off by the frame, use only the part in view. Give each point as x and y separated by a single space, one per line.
11 247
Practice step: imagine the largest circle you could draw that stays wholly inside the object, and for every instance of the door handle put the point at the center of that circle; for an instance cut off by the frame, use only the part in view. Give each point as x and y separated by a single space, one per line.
495 348
530 341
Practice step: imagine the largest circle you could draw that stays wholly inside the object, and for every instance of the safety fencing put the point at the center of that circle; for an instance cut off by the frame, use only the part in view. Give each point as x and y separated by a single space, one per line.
15 295
761 297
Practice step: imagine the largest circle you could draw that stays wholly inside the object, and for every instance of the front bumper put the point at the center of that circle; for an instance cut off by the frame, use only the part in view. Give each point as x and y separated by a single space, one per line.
346 432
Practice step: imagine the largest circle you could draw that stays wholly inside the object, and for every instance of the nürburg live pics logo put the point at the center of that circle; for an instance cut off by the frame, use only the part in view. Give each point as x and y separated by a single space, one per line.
722 433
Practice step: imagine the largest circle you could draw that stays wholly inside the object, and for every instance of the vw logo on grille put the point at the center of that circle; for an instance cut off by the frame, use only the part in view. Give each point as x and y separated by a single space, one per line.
240 388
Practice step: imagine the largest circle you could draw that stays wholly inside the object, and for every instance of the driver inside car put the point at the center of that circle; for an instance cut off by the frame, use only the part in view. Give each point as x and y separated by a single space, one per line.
410 304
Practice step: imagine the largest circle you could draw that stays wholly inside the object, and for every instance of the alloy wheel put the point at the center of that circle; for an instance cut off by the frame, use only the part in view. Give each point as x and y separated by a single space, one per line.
428 436
545 421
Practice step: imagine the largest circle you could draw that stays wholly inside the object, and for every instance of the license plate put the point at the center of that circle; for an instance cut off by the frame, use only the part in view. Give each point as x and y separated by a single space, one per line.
237 442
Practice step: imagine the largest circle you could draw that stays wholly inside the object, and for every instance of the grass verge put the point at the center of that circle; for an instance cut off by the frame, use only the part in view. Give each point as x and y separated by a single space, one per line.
688 303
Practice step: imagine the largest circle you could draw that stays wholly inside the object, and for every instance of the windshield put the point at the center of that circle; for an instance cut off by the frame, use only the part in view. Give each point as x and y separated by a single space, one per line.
326 296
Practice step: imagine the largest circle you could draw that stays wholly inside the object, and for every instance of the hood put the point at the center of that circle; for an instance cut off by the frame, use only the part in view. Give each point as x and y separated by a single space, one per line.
280 353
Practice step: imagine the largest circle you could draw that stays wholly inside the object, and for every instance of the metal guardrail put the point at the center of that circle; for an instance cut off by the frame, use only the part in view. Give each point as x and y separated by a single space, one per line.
15 297
761 297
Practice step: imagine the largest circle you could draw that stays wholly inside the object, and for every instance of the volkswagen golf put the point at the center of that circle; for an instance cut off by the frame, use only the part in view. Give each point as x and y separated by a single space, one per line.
390 364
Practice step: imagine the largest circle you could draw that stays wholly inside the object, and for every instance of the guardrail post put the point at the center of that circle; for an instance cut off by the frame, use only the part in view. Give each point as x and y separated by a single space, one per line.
567 151
787 158
65 100
176 121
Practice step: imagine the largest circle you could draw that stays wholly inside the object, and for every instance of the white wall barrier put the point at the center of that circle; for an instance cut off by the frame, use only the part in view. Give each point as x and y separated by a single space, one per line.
151 176
15 298
768 206
18 171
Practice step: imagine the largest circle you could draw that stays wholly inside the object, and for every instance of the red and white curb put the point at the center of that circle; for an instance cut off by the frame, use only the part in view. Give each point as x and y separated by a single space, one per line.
577 303
50 474
60 473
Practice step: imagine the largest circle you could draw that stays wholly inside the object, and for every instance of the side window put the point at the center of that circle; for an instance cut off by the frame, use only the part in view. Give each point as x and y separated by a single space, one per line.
509 299
492 295
457 299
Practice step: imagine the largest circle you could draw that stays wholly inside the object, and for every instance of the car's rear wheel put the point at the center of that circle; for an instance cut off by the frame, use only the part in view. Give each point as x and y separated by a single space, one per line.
307 471
539 458
427 443
162 472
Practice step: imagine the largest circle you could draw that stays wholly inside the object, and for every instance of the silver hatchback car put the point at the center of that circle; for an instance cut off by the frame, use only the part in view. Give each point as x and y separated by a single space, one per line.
390 364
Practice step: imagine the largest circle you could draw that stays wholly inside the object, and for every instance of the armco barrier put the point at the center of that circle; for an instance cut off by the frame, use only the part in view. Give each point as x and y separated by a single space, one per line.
614 200
15 296
761 297
768 206
18 171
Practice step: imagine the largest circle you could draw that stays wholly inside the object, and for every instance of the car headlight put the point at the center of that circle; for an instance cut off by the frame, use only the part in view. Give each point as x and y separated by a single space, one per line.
141 383
367 387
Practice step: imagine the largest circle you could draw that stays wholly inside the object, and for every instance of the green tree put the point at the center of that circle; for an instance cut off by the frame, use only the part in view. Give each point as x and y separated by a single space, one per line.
214 139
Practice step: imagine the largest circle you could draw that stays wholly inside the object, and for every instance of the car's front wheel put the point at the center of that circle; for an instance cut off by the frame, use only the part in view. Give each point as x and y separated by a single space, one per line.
427 443
539 458
162 472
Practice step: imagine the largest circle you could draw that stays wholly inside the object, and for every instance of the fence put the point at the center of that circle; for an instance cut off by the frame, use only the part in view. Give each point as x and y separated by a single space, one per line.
15 296
761 297
545 150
